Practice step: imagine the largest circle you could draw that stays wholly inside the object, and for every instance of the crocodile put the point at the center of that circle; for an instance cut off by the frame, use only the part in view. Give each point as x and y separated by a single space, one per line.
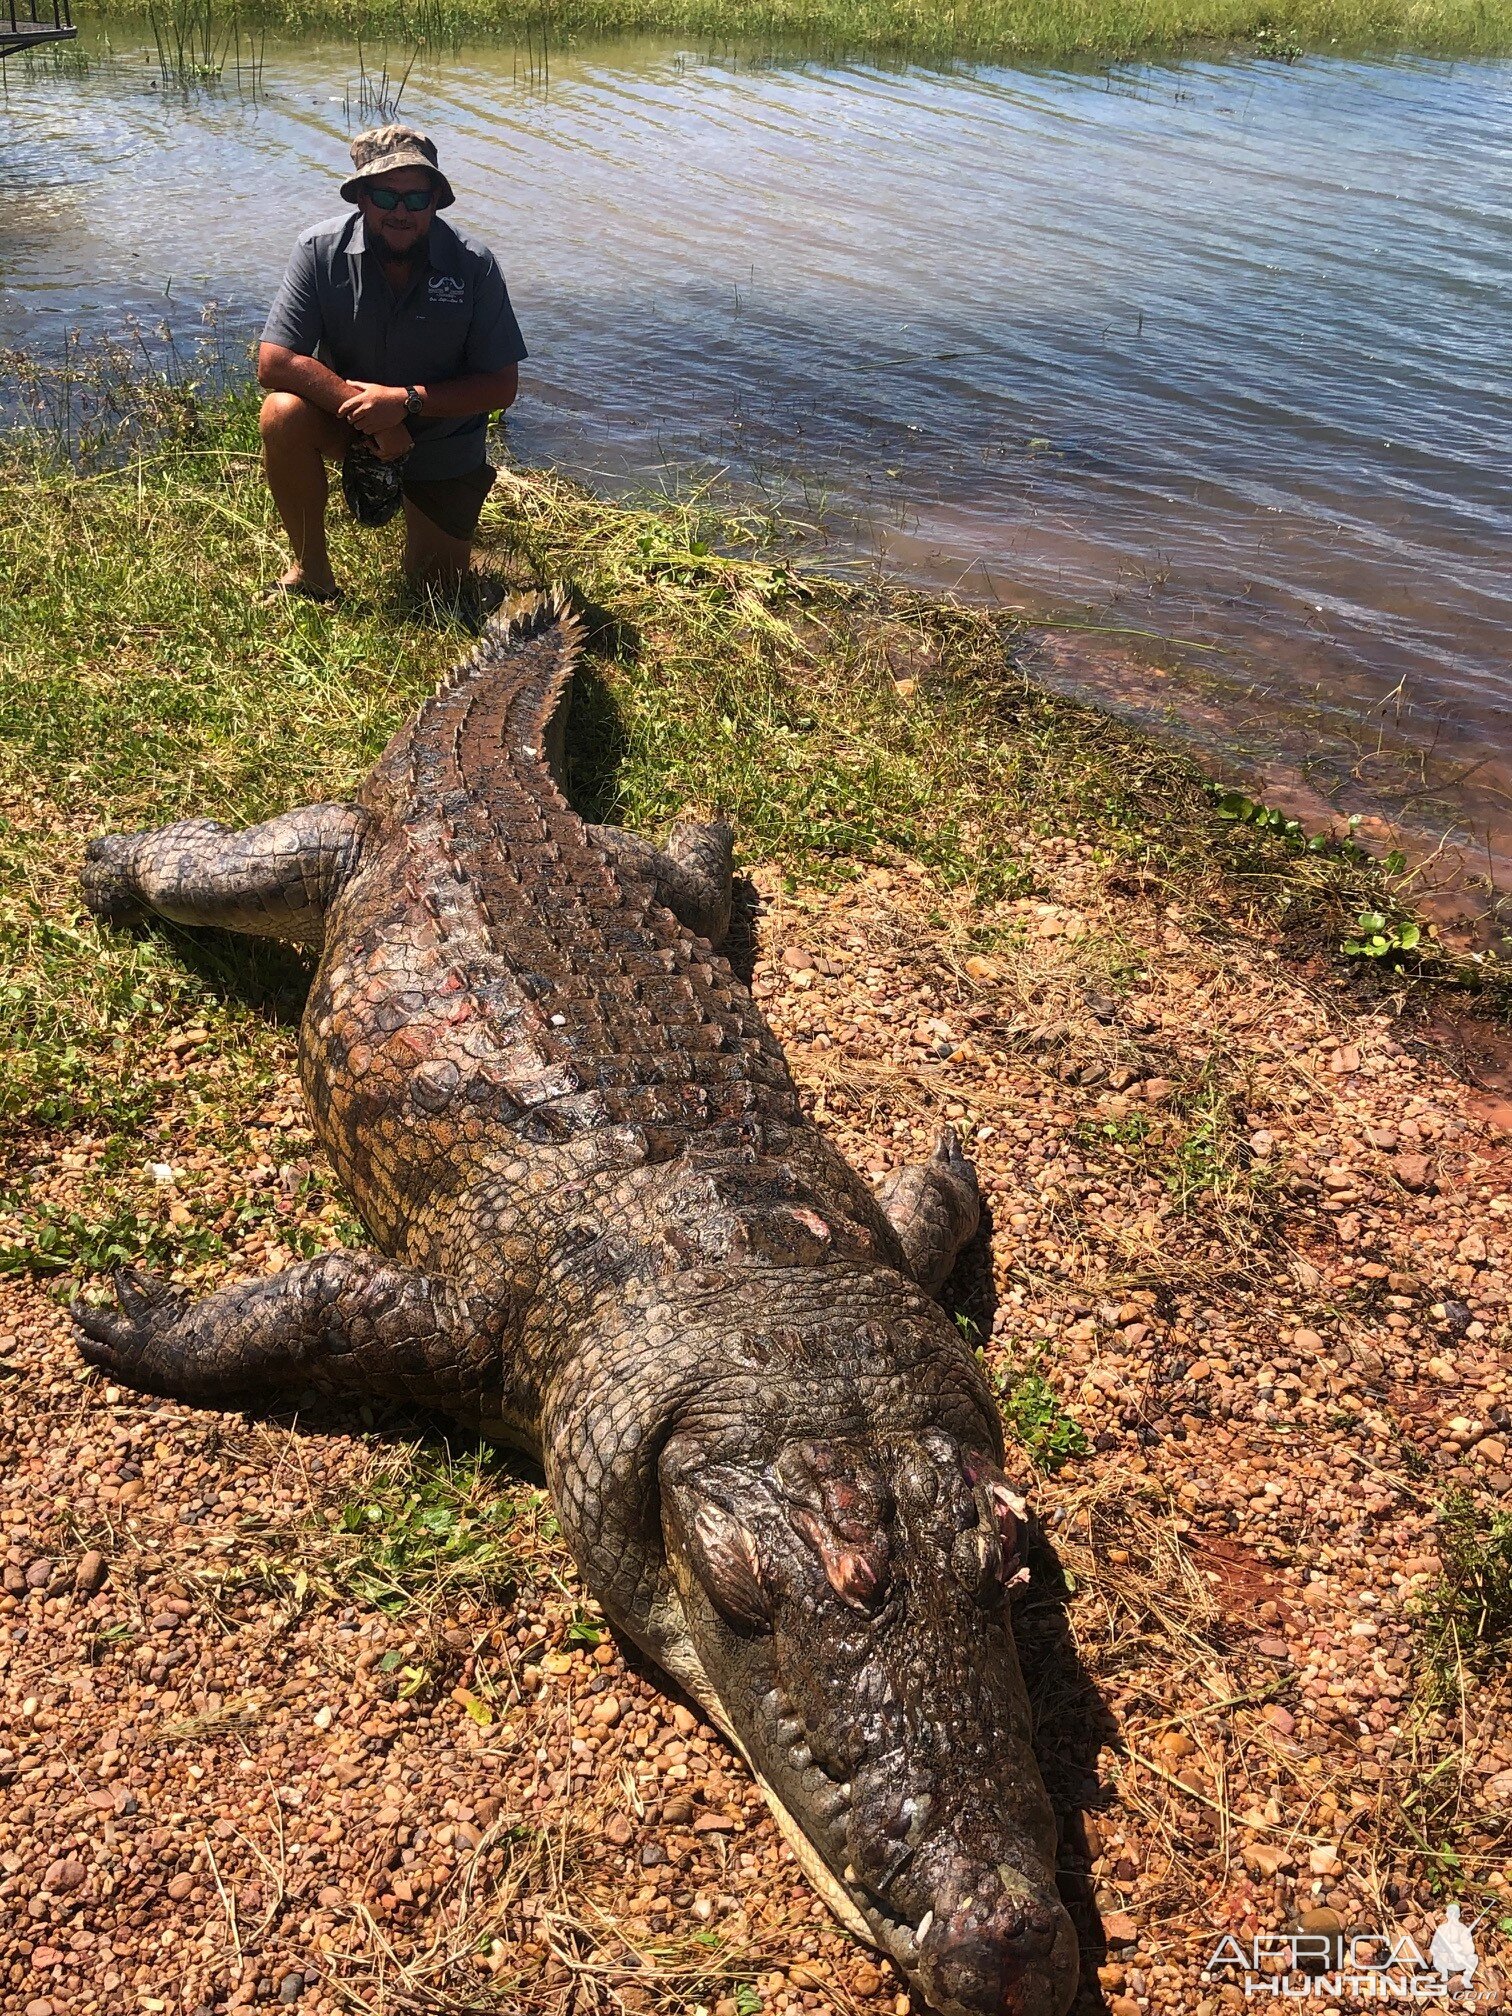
603 1229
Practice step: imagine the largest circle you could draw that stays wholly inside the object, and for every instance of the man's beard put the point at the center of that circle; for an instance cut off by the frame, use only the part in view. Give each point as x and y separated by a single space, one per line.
413 253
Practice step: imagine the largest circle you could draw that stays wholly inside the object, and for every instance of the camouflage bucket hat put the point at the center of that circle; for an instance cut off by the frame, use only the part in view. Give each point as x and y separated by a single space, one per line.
386 147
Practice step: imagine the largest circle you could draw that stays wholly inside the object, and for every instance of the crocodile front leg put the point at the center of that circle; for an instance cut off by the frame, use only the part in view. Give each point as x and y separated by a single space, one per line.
276 880
345 1323
934 1207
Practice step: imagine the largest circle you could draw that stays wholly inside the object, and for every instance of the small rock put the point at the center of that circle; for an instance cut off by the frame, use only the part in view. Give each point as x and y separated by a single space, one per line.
620 1829
44 1957
1280 1719
65 1875
91 1572
1414 1172
865 1979
653 1855
39 2006
39 1574
1345 1060
1497 1791
677 1811
796 959
290 1988
1156 1091
606 1712
714 1823
1124 2005
180 1887
1119 1929
684 1721
1273 1648
1323 1861
1307 1341
332 1899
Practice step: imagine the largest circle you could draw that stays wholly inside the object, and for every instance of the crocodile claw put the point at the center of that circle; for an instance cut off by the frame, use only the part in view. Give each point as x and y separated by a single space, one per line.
118 1339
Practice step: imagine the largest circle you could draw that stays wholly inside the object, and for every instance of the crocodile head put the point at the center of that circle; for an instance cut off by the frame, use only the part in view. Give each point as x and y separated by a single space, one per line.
844 1600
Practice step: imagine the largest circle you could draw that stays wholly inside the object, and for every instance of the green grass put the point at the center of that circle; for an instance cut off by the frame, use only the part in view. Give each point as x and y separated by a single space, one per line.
1049 31
1465 1621
440 1526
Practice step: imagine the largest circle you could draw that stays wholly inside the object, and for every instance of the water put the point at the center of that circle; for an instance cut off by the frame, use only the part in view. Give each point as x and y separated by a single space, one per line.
1217 352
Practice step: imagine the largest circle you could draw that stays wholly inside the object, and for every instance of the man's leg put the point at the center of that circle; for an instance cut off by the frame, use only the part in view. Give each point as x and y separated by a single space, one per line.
298 440
440 518
433 558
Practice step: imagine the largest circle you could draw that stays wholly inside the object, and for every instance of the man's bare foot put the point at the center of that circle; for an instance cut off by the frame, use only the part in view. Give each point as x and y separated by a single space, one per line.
296 582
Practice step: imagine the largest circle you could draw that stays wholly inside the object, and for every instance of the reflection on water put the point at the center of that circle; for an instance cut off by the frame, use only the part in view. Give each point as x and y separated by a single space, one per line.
1216 351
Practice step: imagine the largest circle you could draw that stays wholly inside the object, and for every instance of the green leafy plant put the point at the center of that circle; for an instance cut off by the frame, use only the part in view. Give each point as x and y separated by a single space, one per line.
451 1523
1378 936
1034 1413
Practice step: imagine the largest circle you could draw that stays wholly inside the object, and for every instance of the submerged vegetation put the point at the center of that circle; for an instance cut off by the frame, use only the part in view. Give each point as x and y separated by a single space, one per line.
929 30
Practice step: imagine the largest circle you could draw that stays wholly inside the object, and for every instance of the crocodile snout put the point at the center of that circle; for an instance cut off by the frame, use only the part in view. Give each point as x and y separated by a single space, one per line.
999 1956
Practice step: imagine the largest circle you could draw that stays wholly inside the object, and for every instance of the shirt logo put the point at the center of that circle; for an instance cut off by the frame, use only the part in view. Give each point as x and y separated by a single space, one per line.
446 291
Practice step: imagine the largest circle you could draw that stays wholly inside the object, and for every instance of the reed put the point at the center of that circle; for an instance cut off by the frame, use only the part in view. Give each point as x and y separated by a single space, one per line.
1047 31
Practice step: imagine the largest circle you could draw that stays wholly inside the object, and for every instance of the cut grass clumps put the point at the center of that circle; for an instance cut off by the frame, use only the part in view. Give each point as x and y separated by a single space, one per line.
1465 1622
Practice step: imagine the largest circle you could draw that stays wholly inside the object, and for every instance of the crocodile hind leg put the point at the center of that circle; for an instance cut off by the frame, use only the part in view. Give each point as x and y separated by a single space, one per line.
690 875
275 880
934 1207
345 1323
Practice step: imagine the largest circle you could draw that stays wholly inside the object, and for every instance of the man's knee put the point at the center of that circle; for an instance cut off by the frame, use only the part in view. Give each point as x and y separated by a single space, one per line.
287 420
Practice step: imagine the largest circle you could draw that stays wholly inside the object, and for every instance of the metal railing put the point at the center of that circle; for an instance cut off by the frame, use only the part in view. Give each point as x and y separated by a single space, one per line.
25 23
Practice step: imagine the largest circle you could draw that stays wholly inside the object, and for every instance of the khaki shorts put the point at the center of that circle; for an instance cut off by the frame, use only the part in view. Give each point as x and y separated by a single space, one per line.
451 503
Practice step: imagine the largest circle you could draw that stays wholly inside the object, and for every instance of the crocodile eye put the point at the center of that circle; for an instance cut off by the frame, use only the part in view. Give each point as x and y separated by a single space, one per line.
724 1556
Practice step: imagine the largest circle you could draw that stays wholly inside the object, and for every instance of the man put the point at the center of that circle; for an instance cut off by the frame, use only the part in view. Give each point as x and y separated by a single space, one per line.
389 343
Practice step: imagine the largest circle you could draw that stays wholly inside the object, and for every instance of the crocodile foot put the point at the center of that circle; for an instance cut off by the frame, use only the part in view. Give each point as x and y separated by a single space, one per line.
127 1339
108 882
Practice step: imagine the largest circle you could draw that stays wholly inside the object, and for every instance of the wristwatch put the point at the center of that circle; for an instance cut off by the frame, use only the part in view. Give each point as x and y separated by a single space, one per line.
414 403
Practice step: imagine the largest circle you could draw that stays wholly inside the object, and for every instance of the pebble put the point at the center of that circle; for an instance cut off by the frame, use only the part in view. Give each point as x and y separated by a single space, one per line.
90 1574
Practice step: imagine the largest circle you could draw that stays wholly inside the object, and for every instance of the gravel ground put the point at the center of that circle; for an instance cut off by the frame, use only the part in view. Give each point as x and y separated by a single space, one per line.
311 1712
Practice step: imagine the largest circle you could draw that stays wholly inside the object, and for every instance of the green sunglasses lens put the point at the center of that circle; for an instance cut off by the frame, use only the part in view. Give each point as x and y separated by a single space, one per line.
412 199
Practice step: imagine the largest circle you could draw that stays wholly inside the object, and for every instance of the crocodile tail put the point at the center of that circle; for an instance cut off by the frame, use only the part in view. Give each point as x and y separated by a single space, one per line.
502 707
517 680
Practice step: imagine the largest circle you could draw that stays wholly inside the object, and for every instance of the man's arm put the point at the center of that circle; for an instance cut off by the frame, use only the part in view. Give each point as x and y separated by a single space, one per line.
373 408
283 370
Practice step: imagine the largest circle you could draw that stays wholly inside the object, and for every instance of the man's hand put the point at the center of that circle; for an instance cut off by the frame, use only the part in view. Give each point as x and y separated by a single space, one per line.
392 442
374 409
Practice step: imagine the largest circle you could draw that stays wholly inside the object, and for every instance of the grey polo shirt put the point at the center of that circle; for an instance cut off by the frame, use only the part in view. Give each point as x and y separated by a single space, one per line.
334 303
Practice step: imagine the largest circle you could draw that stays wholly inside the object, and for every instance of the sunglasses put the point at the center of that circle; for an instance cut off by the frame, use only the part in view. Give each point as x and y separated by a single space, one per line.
412 199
